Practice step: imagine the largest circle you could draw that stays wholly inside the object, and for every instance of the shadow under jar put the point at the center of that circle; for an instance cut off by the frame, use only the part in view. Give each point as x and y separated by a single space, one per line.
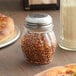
38 42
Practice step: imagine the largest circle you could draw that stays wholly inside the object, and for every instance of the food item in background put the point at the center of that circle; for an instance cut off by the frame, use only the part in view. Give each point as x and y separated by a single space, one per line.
37 49
68 70
7 28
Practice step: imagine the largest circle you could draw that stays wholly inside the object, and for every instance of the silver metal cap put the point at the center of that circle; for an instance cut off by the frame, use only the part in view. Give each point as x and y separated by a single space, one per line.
39 21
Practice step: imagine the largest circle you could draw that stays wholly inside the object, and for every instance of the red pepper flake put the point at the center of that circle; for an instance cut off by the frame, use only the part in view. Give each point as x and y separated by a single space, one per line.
69 72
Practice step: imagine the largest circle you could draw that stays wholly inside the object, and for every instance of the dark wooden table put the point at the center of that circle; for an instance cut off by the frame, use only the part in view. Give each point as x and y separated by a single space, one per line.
12 62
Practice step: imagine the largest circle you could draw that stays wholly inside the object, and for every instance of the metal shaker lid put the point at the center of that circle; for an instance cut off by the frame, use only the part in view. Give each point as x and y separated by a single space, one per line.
41 18
39 21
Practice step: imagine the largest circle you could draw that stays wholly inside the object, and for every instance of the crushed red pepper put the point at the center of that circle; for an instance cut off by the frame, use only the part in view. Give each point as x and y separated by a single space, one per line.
36 48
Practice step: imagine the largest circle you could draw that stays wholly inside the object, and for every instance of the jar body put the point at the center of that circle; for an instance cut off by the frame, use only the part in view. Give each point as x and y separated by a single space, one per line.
68 25
38 47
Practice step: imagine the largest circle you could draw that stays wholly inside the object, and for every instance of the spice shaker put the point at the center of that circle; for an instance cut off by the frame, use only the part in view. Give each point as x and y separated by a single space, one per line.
68 25
38 43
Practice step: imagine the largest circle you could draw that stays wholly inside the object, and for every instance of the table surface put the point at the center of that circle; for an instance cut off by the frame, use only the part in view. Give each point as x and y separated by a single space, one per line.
12 62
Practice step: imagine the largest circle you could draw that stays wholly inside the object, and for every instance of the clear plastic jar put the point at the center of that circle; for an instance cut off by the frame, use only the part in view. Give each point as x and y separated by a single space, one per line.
38 42
68 25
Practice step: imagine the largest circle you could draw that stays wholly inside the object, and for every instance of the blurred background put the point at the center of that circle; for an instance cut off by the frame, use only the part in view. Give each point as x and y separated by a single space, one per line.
18 9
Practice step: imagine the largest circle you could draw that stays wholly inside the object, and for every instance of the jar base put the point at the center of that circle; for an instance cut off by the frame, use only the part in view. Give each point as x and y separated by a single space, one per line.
39 63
